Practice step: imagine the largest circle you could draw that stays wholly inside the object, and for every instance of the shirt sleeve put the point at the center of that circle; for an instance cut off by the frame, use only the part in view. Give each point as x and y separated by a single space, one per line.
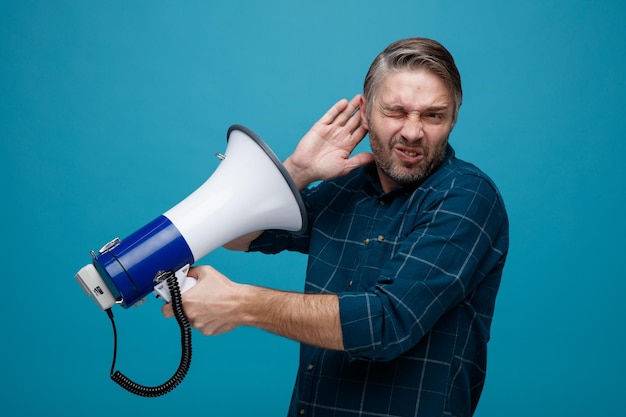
276 241
456 241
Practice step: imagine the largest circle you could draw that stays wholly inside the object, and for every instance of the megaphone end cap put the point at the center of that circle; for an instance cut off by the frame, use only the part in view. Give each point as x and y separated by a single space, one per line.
95 287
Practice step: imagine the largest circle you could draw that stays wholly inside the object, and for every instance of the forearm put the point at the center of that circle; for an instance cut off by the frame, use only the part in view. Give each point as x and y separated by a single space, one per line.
308 318
242 243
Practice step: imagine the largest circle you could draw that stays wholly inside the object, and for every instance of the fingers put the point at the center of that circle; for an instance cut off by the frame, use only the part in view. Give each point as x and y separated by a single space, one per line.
194 272
355 103
350 117
359 132
353 123
360 160
334 111
200 271
167 311
343 112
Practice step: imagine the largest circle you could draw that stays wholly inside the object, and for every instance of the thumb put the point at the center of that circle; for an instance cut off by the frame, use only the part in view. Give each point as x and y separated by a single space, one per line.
359 160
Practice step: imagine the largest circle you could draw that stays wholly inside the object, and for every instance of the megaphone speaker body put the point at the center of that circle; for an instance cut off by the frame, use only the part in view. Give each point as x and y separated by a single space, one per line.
249 191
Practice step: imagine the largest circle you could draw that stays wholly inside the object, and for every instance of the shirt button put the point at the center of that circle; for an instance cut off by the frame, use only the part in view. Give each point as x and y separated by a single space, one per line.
381 202
366 241
302 411
380 238
310 367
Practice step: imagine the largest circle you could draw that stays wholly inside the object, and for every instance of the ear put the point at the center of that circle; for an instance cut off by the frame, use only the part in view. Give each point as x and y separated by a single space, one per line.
363 112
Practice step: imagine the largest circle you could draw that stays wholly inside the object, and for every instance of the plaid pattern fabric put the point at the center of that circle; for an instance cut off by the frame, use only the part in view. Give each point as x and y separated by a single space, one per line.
417 271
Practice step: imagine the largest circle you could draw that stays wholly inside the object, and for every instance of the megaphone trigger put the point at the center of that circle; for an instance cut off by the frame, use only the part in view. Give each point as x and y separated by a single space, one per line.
185 283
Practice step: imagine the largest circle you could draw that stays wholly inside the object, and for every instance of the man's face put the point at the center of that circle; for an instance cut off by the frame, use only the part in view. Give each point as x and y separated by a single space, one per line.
409 125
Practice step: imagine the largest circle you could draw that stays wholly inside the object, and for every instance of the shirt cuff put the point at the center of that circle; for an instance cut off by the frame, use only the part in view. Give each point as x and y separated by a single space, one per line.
361 325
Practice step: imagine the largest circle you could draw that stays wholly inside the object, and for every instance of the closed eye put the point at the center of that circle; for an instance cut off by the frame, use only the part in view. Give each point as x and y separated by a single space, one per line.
393 113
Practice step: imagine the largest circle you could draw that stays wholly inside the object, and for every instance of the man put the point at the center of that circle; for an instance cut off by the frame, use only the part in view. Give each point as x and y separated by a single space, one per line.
406 249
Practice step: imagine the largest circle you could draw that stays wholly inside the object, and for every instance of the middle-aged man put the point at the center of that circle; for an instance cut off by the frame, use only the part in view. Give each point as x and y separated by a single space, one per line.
406 248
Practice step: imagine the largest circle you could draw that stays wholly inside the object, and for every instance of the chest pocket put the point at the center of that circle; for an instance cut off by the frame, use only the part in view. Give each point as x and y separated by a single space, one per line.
376 252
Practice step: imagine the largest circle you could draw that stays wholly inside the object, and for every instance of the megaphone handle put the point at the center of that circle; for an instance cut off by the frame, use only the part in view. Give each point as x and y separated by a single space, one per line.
184 283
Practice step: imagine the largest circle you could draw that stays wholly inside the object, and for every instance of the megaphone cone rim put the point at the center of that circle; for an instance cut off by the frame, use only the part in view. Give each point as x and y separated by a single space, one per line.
278 164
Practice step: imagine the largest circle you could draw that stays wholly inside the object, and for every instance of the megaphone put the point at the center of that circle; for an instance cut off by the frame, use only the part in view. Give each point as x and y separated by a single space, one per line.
249 191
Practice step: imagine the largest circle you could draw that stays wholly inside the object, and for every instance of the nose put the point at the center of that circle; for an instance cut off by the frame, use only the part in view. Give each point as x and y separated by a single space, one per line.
413 128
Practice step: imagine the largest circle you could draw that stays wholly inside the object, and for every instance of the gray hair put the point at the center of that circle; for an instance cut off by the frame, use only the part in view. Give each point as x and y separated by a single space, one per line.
414 54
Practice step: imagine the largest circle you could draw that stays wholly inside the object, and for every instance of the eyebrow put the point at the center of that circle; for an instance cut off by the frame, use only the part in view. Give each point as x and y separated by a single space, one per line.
401 108
436 109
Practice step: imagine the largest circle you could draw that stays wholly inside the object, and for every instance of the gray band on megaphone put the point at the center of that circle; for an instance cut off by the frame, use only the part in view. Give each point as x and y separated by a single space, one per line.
279 165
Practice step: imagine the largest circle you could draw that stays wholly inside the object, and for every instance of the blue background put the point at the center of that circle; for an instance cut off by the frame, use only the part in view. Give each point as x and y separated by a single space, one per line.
111 112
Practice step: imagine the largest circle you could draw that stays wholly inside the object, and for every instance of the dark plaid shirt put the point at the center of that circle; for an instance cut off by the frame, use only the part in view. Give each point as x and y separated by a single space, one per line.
417 271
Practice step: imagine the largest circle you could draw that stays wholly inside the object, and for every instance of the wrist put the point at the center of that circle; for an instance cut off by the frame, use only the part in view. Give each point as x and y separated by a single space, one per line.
299 175
249 298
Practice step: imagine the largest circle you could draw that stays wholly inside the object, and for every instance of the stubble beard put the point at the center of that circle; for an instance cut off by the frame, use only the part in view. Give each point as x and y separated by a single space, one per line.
433 157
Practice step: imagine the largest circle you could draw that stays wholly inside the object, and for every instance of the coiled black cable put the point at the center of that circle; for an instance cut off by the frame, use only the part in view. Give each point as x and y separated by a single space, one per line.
185 360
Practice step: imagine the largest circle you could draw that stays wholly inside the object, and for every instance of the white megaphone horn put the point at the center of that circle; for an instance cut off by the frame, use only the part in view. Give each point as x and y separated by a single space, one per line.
249 191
